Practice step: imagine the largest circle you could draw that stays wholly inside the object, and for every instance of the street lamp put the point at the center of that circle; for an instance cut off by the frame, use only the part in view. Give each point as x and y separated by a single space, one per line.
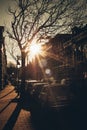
18 65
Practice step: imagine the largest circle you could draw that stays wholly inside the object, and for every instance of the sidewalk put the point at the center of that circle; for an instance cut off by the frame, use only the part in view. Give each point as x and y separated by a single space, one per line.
12 115
16 116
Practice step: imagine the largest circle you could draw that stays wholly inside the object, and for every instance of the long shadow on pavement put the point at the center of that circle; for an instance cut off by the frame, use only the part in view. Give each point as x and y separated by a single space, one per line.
12 120
7 94
6 105
66 119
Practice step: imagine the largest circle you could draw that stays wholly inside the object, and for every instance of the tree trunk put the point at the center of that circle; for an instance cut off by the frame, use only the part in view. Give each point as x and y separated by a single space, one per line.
22 91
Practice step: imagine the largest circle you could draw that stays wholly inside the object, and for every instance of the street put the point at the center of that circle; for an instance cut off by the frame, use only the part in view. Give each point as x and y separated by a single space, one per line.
16 116
43 64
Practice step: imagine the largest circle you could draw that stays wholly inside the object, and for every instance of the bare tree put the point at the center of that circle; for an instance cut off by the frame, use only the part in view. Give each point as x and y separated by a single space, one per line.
39 19
12 48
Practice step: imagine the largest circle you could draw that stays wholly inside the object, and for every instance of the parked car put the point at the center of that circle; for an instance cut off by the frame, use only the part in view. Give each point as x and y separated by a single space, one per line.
36 88
50 97
56 96
29 84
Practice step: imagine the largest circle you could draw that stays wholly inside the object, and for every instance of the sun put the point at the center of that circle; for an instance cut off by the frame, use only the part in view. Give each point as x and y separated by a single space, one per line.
35 49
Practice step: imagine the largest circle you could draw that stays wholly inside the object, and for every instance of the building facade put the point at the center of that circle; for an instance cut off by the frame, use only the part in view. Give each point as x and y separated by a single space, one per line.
3 61
70 51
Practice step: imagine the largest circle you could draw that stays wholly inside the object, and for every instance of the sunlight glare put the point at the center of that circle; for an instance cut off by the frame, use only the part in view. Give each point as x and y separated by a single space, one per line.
35 49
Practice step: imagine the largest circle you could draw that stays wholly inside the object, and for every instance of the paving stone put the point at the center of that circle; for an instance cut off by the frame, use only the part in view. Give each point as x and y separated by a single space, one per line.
12 116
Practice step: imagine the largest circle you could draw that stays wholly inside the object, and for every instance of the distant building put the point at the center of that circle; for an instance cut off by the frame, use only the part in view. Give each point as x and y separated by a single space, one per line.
66 57
69 54
3 61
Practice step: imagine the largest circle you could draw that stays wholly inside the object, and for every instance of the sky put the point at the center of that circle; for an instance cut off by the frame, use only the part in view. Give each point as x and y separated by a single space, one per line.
5 21
5 18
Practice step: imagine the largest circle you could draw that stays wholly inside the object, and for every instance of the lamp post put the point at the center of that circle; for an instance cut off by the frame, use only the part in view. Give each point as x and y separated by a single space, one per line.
18 64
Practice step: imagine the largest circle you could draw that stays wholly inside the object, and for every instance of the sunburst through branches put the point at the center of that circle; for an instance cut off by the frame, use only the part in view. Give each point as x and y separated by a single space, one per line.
42 51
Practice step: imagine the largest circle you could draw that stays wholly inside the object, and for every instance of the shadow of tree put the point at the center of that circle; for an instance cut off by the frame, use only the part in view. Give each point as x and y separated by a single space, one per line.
7 105
6 94
21 104
12 120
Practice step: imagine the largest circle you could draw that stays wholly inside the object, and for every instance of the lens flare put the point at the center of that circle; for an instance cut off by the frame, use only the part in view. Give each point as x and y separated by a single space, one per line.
35 49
